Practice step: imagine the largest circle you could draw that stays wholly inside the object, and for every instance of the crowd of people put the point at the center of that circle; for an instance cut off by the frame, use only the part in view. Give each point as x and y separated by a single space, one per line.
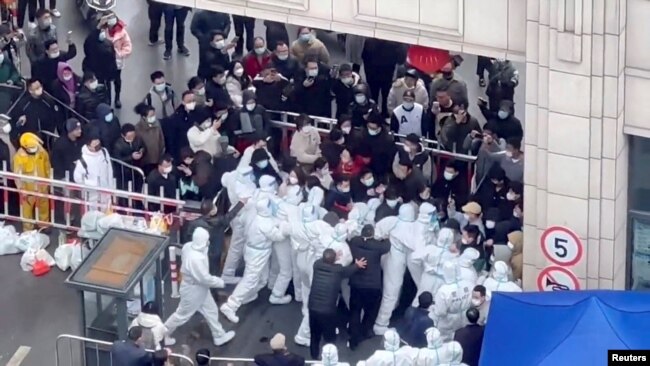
361 225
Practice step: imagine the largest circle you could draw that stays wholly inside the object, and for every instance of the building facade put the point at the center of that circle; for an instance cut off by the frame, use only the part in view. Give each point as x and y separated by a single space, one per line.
588 73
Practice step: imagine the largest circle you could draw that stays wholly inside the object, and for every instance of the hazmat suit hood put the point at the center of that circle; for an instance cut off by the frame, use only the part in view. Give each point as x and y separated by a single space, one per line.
268 184
316 196
244 174
264 207
200 239
309 213
373 205
434 339
456 351
391 341
340 233
406 213
445 238
449 272
29 140
103 110
359 213
426 212
500 273
330 355
469 256
294 195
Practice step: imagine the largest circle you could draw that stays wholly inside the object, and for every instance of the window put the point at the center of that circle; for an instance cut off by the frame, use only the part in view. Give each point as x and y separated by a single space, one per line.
638 253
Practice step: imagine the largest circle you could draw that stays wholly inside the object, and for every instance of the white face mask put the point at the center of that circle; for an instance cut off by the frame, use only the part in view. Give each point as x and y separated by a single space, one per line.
476 302
347 81
111 22
515 214
293 180
510 196
312 73
283 56
67 77
93 85
205 125
490 224
511 246
464 241
369 182
190 106
219 44
250 106
260 50
151 119
407 148
159 87
238 72
408 105
55 54
201 91
360 99
2 58
373 132
307 129
167 170
6 128
391 203
346 130
32 150
449 176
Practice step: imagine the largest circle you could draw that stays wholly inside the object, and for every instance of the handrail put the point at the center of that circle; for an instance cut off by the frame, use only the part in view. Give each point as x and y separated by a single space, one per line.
66 107
98 342
237 359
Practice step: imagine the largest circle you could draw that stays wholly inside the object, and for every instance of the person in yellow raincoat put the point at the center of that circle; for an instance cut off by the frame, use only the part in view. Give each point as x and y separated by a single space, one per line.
32 160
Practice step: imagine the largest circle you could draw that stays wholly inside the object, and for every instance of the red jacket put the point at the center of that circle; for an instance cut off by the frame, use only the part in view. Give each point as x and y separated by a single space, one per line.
352 168
252 67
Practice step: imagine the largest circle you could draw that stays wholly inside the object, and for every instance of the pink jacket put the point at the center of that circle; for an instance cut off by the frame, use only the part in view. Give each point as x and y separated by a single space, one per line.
121 42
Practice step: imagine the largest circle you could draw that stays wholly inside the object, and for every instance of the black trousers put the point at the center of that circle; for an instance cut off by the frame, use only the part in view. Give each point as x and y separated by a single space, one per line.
155 20
242 23
41 4
364 300
321 325
380 82
175 15
482 65
26 6
117 82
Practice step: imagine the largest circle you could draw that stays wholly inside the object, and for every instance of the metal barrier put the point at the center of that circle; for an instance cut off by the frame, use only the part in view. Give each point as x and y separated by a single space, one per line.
236 361
97 353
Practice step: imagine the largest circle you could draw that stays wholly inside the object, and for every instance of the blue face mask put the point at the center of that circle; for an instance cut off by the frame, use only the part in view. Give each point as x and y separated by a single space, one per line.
108 117
262 164
503 114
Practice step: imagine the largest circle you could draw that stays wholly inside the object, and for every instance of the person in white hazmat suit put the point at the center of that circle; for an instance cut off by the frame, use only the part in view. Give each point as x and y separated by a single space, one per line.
437 351
426 229
451 301
195 290
304 232
262 233
466 268
240 185
399 231
434 256
498 280
330 356
337 241
357 219
268 190
456 355
392 354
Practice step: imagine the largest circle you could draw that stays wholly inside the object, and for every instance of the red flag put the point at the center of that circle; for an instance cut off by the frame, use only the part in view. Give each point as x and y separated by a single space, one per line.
427 60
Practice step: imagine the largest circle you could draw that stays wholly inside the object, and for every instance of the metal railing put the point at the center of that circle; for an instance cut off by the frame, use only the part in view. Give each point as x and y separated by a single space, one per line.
97 352
236 361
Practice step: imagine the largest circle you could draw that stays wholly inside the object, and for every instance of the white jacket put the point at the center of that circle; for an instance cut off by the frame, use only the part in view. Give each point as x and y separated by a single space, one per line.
206 140
305 145
98 169
153 323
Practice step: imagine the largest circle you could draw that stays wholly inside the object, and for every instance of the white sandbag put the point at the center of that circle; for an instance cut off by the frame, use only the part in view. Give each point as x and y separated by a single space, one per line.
63 256
89 220
8 240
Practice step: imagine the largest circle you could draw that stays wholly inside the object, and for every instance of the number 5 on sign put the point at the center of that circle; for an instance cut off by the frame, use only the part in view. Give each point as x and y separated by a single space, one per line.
561 246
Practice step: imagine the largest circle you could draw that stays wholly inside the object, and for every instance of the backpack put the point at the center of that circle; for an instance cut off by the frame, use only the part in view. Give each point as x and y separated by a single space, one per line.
85 165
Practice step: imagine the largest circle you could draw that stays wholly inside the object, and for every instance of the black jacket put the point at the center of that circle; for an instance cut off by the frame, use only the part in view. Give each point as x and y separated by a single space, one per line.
127 353
155 181
270 94
357 111
414 325
217 93
109 132
289 68
372 250
411 185
331 152
343 96
381 56
205 21
123 150
100 57
326 284
384 211
175 130
210 57
457 188
359 190
64 155
58 90
279 359
471 339
315 100
88 100
45 69
41 113
381 149
5 159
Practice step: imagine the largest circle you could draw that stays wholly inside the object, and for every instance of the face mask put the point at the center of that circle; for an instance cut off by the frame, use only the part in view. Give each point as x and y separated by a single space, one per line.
55 54
344 189
464 241
407 148
372 132
151 119
190 106
238 72
250 106
425 195
369 182
449 176
360 99
476 302
490 224
260 50
38 92
32 150
67 77
93 85
305 37
346 130
160 87
511 246
324 171
293 180
515 214
219 44
262 164
221 80
307 129
223 117
391 203
46 23
6 128
509 154
466 216
111 22
205 125
408 105
201 91
102 36
510 196
108 117
312 73
283 56
167 170
347 81
503 114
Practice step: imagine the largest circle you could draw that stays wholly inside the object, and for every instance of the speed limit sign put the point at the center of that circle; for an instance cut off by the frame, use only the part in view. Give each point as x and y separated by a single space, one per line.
561 246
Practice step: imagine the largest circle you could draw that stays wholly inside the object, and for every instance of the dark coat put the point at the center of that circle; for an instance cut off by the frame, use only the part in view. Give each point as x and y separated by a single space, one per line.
109 132
205 21
331 152
411 185
384 211
315 100
88 100
156 181
416 321
270 94
357 111
45 68
372 250
381 149
457 189
210 57
326 284
289 68
471 339
127 353
41 113
279 359
175 130
58 91
64 155
217 93
100 57
123 150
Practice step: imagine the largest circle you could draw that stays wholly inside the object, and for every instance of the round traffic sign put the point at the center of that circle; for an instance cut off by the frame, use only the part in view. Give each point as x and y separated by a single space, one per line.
561 246
555 278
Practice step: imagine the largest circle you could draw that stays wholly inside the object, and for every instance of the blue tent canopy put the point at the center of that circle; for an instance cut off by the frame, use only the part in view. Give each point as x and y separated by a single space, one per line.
564 327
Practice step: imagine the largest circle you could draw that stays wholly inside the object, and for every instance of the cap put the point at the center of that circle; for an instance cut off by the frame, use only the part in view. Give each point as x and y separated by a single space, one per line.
473 208
409 93
278 342
413 138
29 140
412 73
72 124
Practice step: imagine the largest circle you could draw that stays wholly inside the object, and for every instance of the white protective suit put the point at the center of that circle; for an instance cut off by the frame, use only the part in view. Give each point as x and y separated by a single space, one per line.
357 218
451 301
263 231
456 355
466 268
195 289
337 241
268 190
426 228
399 230
392 354
437 352
304 233
330 356
240 186
316 196
434 256
498 281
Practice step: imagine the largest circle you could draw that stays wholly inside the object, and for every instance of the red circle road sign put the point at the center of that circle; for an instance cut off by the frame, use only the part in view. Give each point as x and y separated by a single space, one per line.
556 278
561 246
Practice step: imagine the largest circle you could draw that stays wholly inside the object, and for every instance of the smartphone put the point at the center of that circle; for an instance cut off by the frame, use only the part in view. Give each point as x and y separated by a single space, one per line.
235 40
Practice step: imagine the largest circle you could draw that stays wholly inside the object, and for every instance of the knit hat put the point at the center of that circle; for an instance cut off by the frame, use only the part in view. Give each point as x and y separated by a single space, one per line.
277 342
72 124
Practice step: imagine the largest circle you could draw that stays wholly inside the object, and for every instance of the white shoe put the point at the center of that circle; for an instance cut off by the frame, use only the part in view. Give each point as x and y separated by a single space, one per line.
230 280
225 338
250 299
379 329
56 13
169 341
280 300
301 341
229 313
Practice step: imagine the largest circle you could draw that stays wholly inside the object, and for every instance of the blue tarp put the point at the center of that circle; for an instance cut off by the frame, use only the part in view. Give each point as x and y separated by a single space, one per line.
564 327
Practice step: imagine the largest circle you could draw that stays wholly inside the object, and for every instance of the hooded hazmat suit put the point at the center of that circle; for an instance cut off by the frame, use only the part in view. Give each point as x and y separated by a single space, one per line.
357 218
434 257
268 189
466 268
498 280
239 188
451 301
437 352
392 354
32 160
337 240
195 289
305 233
263 231
400 233
330 356
426 228
456 355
